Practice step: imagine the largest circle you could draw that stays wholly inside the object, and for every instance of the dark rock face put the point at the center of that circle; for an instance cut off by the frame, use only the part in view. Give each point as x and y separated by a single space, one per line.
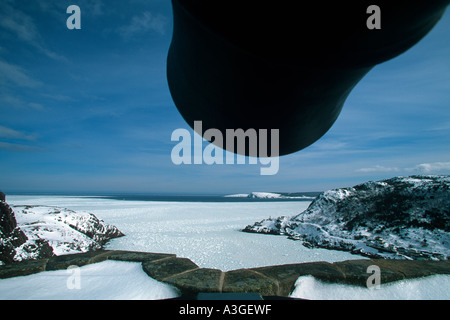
7 220
403 217
10 235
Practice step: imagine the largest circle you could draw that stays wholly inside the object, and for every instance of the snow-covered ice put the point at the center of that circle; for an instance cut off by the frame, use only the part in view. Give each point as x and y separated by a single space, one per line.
108 280
208 233
435 287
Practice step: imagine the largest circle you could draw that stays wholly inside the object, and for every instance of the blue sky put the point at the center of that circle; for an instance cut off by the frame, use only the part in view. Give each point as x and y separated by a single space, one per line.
90 111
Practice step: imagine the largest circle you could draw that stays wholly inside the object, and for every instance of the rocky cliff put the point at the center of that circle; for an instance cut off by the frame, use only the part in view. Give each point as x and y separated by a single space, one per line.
10 235
36 232
401 217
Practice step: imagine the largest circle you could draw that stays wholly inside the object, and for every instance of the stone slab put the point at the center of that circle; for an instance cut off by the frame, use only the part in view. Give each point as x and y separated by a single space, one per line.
286 275
163 269
229 296
198 280
135 256
279 280
245 280
80 259
355 272
415 268
25 268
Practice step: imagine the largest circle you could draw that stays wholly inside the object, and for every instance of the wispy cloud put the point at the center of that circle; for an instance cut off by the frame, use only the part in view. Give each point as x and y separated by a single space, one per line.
13 74
58 97
19 147
378 168
9 133
94 8
18 141
445 126
36 106
23 28
58 8
432 167
7 100
141 24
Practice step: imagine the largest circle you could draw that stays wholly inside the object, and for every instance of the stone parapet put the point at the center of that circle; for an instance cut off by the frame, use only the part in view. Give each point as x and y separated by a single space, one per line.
278 280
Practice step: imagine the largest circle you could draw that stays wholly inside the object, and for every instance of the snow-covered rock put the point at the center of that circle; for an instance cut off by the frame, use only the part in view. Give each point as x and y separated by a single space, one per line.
55 231
269 195
401 217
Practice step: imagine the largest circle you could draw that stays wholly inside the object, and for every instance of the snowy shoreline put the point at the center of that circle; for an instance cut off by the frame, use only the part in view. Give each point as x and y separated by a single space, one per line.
271 195
207 233
401 218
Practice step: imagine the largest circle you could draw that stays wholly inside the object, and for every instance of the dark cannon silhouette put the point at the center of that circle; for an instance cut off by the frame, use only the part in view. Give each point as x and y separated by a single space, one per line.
283 64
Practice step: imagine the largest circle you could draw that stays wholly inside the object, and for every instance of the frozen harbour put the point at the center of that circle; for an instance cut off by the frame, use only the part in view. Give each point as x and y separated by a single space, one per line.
209 234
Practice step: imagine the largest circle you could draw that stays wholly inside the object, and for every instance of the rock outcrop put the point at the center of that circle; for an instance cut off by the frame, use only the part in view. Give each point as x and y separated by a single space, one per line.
37 232
402 217
10 235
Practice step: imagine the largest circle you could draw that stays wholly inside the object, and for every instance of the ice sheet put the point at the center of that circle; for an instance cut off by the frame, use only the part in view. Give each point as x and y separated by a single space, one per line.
208 233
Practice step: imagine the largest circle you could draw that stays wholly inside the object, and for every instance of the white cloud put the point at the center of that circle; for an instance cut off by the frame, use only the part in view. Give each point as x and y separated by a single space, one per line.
23 27
7 100
36 106
144 23
432 167
19 147
442 127
18 23
9 133
378 168
10 73
435 167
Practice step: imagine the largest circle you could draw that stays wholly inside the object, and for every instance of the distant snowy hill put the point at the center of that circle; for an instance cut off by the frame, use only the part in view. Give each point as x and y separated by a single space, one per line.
402 217
271 195
42 231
